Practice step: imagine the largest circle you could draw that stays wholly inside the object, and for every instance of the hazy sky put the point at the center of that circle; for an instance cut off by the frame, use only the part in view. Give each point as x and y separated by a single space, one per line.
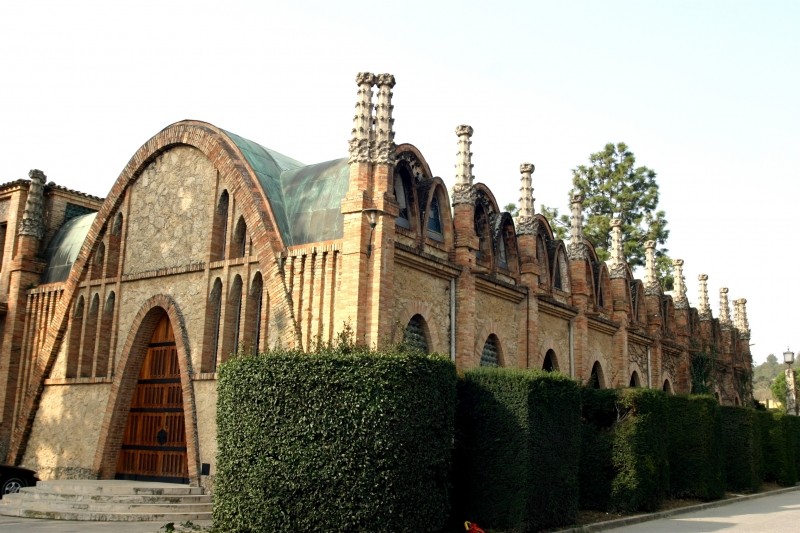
705 93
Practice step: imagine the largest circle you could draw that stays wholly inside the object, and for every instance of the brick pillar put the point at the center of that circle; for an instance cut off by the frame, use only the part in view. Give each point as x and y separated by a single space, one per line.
683 381
581 291
618 273
380 260
357 231
466 245
655 319
529 268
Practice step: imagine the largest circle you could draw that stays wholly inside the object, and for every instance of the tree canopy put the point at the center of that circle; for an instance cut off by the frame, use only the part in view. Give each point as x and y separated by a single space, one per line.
613 186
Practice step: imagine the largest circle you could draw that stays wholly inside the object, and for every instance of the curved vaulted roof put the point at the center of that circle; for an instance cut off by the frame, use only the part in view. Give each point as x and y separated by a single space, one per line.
305 199
64 247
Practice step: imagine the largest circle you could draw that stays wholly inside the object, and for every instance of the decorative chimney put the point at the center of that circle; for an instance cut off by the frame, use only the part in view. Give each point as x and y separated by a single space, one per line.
616 265
385 149
651 285
679 293
526 209
462 191
576 250
740 318
724 310
703 309
363 134
32 223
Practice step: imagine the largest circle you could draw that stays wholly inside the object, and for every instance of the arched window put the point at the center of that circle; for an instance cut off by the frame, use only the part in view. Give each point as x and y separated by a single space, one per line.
252 317
490 355
416 334
233 312
401 194
74 348
239 241
89 338
550 361
213 317
597 380
114 240
97 263
435 220
116 229
667 387
634 383
104 344
484 253
219 233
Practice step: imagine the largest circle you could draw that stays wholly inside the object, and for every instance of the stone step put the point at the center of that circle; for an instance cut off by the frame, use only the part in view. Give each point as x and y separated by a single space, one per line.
32 493
109 501
92 486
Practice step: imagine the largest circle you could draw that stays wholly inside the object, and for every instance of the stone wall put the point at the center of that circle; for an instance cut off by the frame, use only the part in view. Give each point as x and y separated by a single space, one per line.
66 431
171 206
205 397
554 335
429 296
503 318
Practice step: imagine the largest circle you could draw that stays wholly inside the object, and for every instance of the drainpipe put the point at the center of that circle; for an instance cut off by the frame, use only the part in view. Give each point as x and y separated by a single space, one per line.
453 320
649 370
570 326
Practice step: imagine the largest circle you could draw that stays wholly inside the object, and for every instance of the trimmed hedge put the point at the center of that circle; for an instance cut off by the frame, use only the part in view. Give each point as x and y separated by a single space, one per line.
596 473
639 453
741 445
334 441
518 446
778 453
695 454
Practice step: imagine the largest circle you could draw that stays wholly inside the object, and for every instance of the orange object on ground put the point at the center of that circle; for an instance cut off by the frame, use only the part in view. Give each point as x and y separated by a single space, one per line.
472 528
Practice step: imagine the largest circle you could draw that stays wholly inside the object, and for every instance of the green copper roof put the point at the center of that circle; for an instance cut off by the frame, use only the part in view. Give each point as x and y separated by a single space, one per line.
64 247
305 199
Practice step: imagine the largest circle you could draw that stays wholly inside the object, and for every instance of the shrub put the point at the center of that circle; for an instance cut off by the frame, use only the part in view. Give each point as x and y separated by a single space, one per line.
778 456
340 440
695 464
640 451
517 449
741 445
596 471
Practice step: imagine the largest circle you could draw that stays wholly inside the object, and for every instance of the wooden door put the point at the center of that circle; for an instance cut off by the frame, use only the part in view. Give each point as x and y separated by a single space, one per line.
154 444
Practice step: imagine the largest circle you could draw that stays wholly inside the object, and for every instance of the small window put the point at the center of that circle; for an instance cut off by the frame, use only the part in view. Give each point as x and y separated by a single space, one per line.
634 383
414 335
400 194
490 354
435 221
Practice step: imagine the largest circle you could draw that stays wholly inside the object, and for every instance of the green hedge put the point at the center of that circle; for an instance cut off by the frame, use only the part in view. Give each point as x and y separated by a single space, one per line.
741 445
518 446
596 473
778 452
334 441
639 452
695 454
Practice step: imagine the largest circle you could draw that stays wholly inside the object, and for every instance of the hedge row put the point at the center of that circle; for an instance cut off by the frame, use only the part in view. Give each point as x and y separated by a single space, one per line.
517 449
334 441
350 440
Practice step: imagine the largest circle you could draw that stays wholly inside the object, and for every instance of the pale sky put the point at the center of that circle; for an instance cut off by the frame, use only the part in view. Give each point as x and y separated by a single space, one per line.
703 92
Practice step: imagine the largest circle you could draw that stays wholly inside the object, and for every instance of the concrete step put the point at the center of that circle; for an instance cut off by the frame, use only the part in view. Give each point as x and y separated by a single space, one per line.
108 501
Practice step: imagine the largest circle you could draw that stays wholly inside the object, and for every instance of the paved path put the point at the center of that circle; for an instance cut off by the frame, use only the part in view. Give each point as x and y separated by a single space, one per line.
777 512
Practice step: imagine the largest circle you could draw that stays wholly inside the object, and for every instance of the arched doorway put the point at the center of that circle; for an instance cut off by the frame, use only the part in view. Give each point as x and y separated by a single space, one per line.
154 443
634 382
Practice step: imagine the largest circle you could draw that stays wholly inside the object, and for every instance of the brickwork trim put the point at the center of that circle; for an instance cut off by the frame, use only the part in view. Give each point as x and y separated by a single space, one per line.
124 385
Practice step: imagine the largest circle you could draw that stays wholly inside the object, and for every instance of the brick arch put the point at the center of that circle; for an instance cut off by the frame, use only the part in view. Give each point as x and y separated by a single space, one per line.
243 184
416 307
488 329
124 385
